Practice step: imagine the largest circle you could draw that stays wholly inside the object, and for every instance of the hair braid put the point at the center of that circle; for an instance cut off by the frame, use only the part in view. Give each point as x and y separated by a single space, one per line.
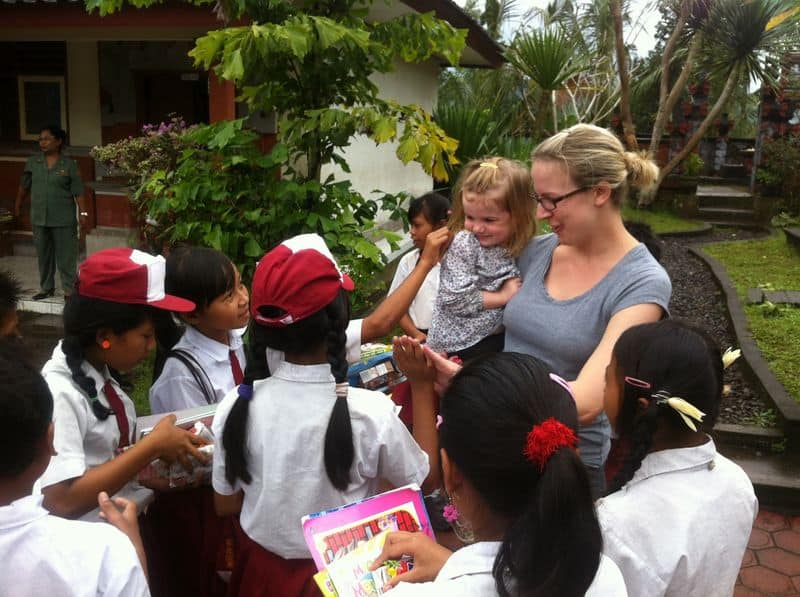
234 435
73 350
339 451
641 439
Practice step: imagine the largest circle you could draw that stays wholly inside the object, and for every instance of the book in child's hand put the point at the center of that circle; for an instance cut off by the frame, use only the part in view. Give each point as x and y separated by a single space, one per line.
349 574
333 533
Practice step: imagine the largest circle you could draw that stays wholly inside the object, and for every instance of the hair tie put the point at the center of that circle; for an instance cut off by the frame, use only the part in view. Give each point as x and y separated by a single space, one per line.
563 383
488 165
245 391
686 410
545 438
341 389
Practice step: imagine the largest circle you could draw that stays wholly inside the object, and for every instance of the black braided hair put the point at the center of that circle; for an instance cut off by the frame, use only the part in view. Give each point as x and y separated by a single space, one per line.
673 357
234 434
326 325
339 451
83 318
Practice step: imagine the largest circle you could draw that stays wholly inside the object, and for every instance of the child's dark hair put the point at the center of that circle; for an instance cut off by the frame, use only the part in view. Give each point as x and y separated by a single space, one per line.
26 410
553 545
672 357
329 324
199 274
434 208
83 318
10 292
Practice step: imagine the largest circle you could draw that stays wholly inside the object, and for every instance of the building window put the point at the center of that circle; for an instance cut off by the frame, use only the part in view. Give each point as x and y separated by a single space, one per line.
42 102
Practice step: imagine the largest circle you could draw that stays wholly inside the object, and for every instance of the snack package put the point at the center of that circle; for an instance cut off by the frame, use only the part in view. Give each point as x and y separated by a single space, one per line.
175 473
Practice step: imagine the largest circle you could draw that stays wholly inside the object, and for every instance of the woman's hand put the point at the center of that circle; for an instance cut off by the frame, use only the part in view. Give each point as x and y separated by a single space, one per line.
412 361
429 556
173 443
445 369
436 244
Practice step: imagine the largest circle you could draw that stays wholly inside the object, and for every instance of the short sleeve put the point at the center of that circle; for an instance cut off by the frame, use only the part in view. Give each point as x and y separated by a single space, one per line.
70 425
458 290
399 458
174 390
218 480
76 184
353 346
26 180
649 283
121 572
404 268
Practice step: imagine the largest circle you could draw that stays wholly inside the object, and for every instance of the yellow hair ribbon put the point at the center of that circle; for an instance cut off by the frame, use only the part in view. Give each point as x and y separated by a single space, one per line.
488 165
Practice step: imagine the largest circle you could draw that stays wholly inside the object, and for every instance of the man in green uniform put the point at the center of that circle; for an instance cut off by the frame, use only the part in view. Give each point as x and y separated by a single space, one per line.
55 186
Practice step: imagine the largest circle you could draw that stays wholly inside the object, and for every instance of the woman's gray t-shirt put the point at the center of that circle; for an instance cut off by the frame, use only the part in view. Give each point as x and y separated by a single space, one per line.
564 334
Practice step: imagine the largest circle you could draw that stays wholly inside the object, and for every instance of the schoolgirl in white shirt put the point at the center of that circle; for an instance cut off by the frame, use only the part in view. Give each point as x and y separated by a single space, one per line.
208 361
425 214
678 515
519 494
108 325
42 554
301 440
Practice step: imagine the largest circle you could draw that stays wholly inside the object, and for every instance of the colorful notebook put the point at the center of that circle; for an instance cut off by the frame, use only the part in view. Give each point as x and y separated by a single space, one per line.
332 533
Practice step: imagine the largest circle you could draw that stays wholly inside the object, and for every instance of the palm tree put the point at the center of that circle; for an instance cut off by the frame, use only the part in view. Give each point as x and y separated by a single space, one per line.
549 58
742 43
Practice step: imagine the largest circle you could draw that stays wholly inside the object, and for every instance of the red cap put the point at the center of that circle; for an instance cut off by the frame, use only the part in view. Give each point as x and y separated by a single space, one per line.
298 277
128 276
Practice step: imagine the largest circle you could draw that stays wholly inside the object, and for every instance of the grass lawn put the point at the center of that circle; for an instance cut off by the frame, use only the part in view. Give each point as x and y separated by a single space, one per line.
770 262
660 220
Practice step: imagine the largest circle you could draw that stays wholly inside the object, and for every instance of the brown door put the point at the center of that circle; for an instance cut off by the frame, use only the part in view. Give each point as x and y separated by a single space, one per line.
161 94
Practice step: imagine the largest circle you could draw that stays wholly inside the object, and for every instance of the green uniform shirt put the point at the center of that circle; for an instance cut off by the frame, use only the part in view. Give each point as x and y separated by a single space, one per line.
53 190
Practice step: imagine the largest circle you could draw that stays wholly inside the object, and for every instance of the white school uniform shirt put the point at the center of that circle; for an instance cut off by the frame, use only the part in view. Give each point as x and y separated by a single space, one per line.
681 525
287 419
421 309
82 441
176 387
44 555
468 573
352 347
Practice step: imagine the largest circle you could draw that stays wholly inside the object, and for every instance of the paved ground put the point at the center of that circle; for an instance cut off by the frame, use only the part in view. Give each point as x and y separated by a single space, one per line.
771 564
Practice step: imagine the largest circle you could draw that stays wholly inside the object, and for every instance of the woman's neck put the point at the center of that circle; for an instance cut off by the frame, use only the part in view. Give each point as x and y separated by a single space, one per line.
609 238
669 439
316 356
221 336
94 356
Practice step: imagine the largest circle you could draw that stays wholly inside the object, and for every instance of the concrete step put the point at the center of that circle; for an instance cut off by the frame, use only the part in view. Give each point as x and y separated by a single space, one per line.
726 214
739 181
775 475
723 190
731 202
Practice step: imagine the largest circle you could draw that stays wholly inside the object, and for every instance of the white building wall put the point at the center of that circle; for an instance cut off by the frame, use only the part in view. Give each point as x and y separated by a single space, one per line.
377 166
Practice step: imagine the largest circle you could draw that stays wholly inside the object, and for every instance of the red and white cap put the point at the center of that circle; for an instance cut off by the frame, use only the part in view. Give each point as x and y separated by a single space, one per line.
128 276
296 279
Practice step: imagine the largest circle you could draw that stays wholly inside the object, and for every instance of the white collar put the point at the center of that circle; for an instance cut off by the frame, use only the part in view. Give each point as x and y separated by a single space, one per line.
667 461
476 558
22 511
217 351
320 373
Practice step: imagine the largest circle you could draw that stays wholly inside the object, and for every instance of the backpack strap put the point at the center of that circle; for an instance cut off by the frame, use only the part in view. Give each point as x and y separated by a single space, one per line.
199 374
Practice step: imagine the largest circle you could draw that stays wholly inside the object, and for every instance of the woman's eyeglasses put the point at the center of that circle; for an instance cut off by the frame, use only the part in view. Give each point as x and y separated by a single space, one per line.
550 203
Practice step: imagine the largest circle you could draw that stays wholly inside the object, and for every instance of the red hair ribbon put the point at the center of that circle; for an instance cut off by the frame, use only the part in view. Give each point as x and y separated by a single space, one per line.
546 438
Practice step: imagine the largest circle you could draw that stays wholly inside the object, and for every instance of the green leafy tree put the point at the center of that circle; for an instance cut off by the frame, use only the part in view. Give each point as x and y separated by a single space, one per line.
311 63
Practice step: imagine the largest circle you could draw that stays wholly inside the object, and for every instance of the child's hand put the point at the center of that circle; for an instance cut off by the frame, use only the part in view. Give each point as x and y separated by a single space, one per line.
511 287
429 556
173 443
436 244
121 513
445 369
412 361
